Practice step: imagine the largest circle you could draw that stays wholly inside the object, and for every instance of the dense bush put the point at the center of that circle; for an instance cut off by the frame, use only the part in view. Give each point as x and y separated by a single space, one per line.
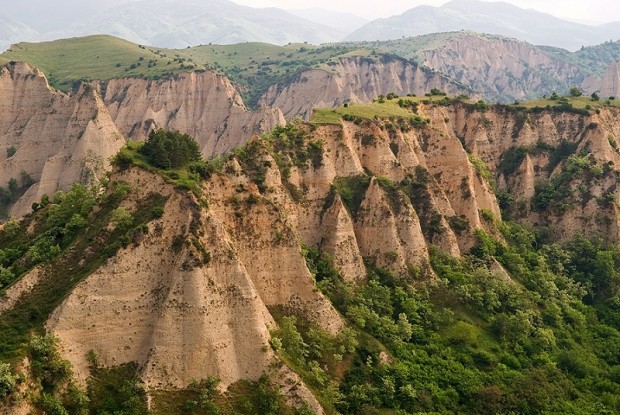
48 366
14 190
170 149
351 190
66 215
10 152
7 380
474 342
557 193
575 92
116 390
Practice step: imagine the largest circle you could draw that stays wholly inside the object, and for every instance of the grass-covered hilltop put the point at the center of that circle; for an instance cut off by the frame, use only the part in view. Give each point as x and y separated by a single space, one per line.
414 255
254 67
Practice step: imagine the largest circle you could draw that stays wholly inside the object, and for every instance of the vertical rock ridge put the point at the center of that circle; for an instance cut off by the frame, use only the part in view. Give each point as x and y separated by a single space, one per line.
58 139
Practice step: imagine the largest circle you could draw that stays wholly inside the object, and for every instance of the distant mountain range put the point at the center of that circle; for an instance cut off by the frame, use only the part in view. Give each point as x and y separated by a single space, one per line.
182 23
344 22
188 22
488 17
12 31
165 23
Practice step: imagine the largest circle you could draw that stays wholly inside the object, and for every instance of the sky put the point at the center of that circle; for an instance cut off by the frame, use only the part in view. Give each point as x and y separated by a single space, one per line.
595 11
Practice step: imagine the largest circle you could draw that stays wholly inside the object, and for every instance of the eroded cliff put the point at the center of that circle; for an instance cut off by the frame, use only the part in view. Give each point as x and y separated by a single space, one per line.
501 69
355 79
237 251
49 140
555 170
609 84
195 284
52 140
203 104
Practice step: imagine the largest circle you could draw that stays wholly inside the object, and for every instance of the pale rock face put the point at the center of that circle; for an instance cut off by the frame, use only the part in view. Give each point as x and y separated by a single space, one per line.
341 243
523 185
502 130
355 80
64 139
466 191
178 322
610 83
182 320
388 227
204 105
349 151
503 69
267 243
390 234
59 139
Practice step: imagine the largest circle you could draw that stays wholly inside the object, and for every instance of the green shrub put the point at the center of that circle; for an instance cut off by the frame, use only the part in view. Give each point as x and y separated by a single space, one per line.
121 218
51 405
486 246
575 92
561 152
481 106
10 152
462 333
512 158
351 190
117 390
123 159
15 189
419 122
157 212
481 169
48 367
7 380
165 149
77 201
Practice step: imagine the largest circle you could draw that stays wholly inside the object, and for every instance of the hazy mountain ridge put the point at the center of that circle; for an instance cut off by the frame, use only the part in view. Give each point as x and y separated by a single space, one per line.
592 59
220 21
344 22
487 17
182 23
12 31
168 23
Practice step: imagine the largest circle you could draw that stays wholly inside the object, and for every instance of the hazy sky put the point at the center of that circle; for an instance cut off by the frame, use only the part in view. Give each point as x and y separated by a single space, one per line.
584 10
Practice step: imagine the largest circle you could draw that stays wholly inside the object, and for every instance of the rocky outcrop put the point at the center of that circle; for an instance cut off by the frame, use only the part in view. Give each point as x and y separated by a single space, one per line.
501 69
190 300
389 230
193 298
196 294
609 84
526 151
340 241
203 104
49 140
354 79
52 140
157 305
